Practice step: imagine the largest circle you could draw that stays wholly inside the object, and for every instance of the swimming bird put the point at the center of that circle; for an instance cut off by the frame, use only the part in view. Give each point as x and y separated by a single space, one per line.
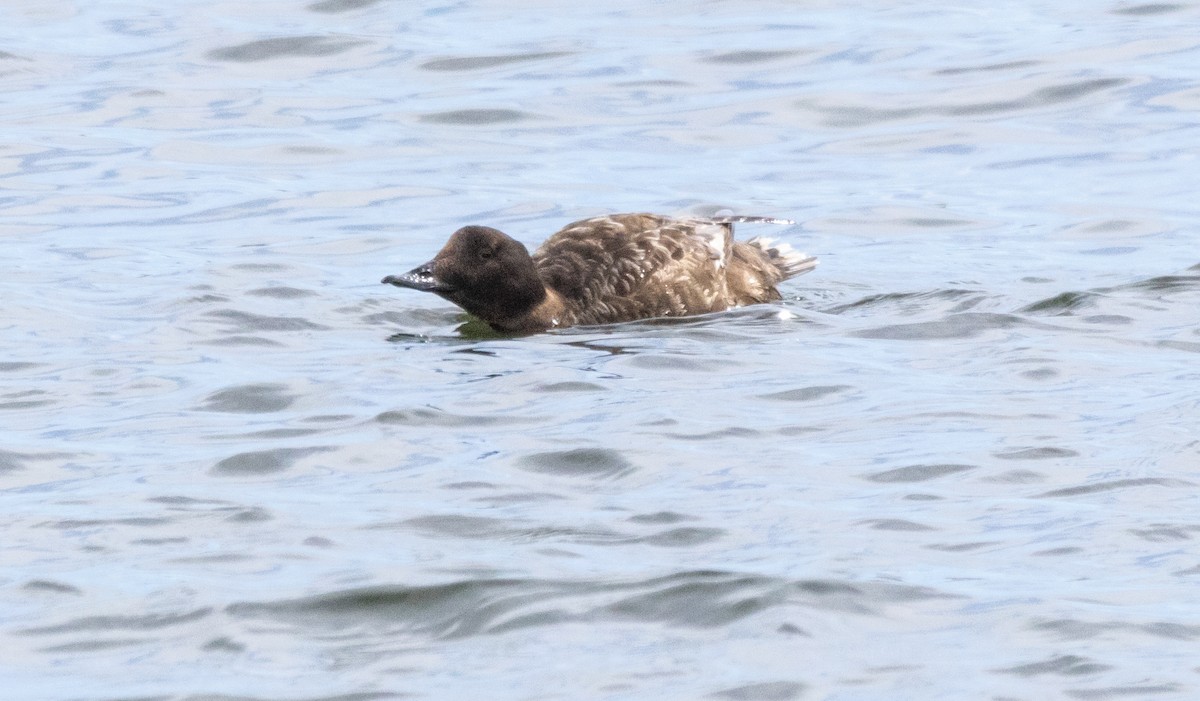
605 270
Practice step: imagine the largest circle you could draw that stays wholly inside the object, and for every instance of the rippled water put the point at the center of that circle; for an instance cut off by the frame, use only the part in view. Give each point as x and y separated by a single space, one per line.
959 461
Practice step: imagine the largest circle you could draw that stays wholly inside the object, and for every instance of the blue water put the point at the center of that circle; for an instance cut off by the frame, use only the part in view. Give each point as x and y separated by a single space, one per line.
958 461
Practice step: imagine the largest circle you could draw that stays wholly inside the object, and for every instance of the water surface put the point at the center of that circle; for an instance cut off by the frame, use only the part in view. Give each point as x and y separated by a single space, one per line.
958 461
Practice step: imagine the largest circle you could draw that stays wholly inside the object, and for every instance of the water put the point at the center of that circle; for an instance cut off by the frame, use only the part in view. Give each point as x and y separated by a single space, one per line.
957 462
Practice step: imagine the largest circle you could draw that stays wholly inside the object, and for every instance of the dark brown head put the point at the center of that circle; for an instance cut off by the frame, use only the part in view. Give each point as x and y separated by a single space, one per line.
482 270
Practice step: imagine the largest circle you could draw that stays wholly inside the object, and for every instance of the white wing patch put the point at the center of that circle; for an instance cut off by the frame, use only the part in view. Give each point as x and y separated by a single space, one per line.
714 236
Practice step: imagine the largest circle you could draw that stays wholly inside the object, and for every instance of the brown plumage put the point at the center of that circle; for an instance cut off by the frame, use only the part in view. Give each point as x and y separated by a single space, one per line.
604 270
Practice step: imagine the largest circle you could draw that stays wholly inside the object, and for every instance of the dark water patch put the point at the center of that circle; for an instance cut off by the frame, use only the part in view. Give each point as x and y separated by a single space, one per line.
436 417
570 386
1006 66
17 401
49 586
909 302
661 518
263 462
718 434
806 394
247 322
335 6
1064 665
917 496
1062 303
895 524
284 47
1186 346
519 498
1042 97
474 63
11 462
476 117
1159 285
456 526
599 463
1058 552
919 473
18 366
675 362
963 547
683 537
702 600
956 326
748 56
281 292
1043 453
1153 8
249 399
1040 374
482 606
262 267
185 501
1108 319
451 610
1117 484
763 691
153 621
1016 477
1166 532
95 645
472 485
253 514
1133 691
855 116
138 521
268 434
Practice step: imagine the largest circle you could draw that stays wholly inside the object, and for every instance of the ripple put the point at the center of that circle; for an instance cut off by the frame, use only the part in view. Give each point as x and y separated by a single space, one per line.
965 325
153 621
1062 303
748 56
861 115
1154 8
919 473
436 417
247 322
1117 484
281 292
335 6
1044 453
763 691
46 585
262 462
488 606
806 394
1066 665
476 117
474 63
1075 629
600 463
284 47
895 524
683 537
249 399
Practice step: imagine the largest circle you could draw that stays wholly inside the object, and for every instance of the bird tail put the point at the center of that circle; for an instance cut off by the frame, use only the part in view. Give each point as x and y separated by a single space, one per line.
722 218
784 257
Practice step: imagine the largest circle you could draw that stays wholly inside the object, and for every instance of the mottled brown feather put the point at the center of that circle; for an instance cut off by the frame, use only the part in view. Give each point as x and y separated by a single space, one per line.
610 269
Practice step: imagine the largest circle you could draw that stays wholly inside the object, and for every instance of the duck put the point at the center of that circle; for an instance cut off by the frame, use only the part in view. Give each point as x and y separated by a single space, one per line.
605 270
